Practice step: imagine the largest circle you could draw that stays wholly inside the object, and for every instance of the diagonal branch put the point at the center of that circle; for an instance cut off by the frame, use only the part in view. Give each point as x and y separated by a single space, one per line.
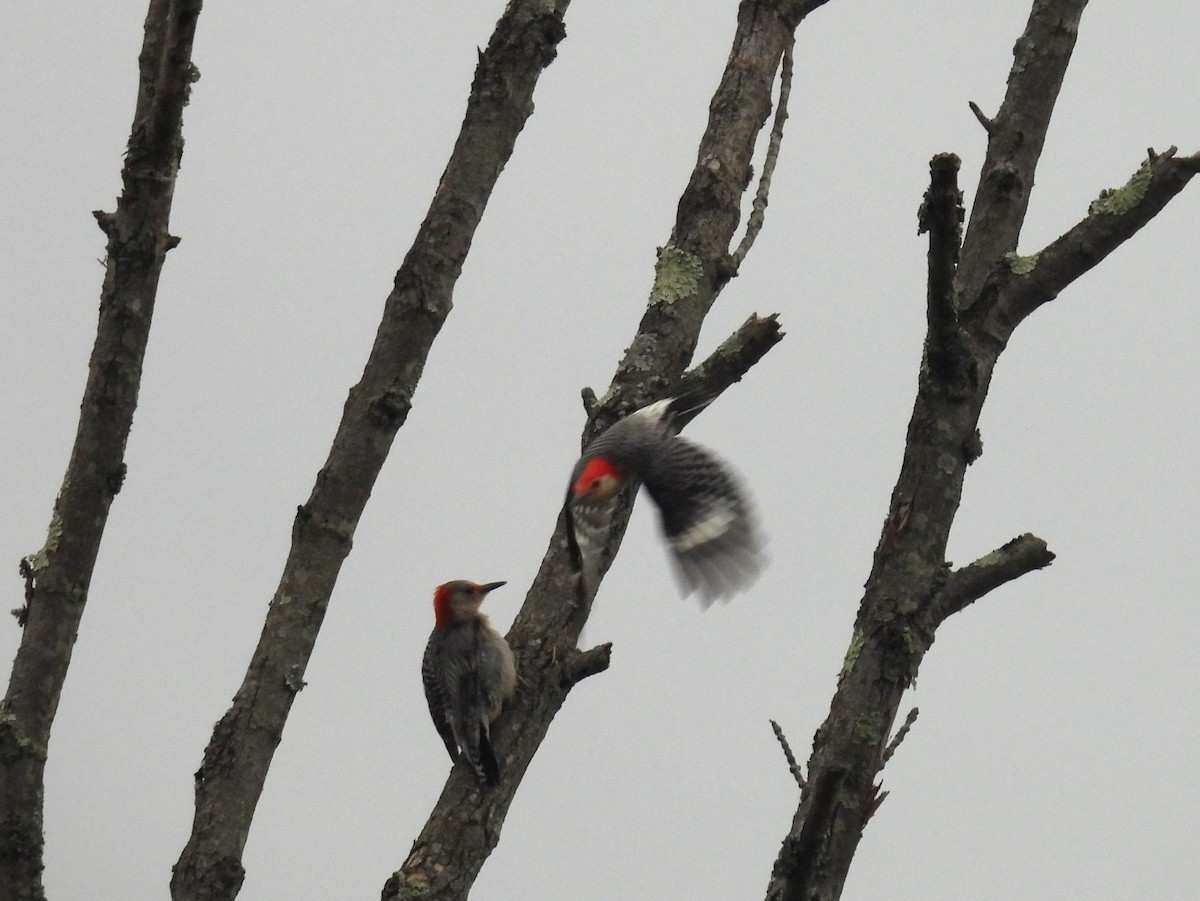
692 268
58 576
726 365
797 865
1022 555
1113 218
230 780
980 116
1015 139
695 264
793 766
901 734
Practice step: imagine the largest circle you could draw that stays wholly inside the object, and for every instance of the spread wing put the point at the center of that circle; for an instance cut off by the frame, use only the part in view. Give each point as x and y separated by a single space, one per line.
707 519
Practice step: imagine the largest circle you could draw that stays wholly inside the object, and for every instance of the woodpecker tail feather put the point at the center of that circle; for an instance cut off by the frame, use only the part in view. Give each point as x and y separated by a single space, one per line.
489 767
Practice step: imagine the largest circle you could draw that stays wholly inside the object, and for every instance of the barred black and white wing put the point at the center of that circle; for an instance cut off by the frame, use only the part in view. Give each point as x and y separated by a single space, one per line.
707 518
437 694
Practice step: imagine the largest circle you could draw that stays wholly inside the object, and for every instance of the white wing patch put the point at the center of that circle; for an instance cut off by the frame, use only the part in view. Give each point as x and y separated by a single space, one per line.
717 520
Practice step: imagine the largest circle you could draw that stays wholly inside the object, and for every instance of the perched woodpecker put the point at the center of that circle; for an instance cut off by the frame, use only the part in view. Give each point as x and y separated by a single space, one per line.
469 673
706 516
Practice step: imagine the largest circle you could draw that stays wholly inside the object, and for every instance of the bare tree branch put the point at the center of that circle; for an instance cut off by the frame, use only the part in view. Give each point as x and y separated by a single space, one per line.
1015 141
795 869
793 767
690 272
1113 218
898 614
578 665
230 780
726 365
941 215
1022 555
979 114
758 213
901 733
58 576
694 265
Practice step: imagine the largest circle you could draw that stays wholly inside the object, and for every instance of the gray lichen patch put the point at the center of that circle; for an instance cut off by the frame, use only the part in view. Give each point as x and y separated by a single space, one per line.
35 563
993 559
1115 201
676 275
856 645
1021 265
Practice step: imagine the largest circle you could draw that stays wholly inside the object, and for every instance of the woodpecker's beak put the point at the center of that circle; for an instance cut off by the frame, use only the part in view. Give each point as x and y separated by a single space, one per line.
490 586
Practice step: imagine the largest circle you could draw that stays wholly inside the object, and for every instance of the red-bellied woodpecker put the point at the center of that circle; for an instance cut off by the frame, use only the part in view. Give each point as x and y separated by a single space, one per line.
469 673
706 516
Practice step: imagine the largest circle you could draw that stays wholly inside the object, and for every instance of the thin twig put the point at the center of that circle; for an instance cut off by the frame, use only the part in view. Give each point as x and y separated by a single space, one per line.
899 736
797 773
758 212
988 125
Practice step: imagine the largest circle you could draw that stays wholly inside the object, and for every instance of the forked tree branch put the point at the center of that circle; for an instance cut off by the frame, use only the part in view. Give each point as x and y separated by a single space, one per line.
909 593
1015 141
1112 219
230 780
58 576
694 265
758 211
692 268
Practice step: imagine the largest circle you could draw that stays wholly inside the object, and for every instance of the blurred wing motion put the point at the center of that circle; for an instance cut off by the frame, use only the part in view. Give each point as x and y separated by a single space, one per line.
707 517
708 521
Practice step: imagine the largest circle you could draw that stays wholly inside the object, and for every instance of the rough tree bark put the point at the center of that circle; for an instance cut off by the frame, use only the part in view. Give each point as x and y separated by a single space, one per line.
975 300
979 290
57 576
693 267
230 779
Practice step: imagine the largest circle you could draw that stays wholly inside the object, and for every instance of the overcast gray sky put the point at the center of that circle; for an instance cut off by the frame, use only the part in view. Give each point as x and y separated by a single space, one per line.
1055 753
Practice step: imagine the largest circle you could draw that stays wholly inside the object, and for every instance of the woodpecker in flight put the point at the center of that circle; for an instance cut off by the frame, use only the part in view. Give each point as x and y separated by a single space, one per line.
469 673
706 516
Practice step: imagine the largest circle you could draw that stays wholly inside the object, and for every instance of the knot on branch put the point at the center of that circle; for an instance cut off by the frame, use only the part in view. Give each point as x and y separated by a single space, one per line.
106 221
341 530
390 408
